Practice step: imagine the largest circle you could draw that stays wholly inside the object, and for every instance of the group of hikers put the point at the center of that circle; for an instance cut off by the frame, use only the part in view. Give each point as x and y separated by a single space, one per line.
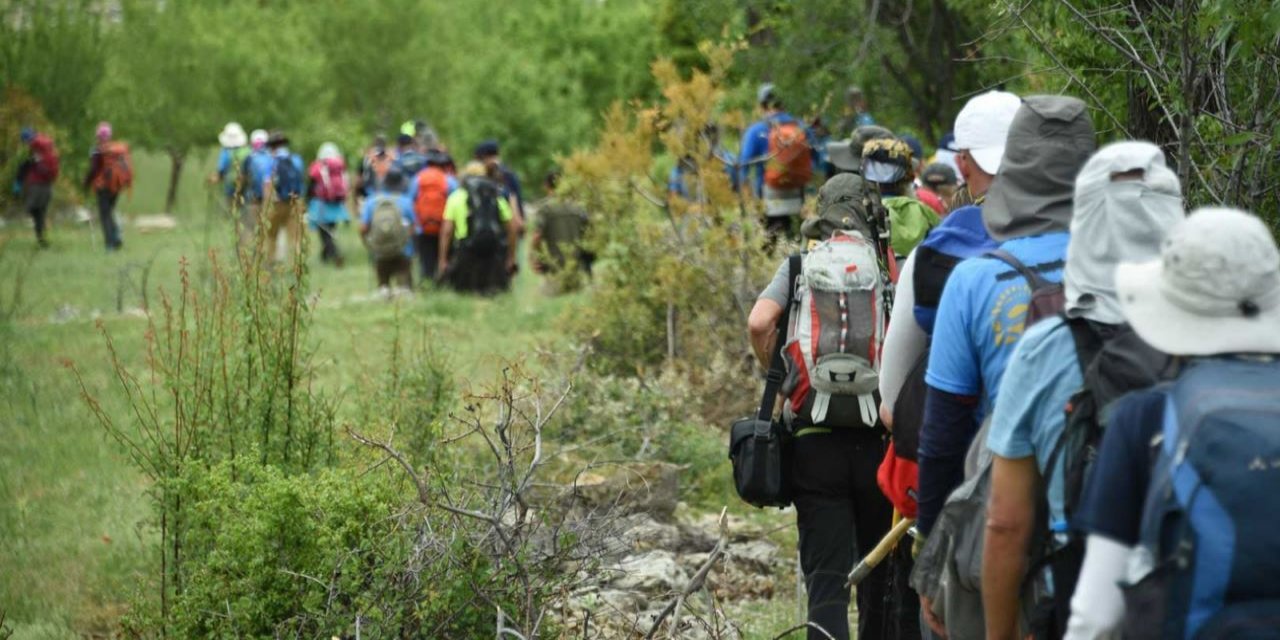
110 174
1027 360
412 203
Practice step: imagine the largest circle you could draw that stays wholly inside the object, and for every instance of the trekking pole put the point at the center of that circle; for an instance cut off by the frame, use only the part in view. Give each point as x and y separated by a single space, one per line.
873 559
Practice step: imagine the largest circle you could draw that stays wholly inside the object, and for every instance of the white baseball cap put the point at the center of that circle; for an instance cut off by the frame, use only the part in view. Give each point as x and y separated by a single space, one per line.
983 126
1215 288
258 138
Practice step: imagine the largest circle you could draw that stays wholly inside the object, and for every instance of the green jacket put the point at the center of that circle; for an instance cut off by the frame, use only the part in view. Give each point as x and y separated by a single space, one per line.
909 222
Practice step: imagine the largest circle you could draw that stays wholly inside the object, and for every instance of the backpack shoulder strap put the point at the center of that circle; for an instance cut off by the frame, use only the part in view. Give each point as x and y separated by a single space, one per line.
777 369
1088 342
1028 273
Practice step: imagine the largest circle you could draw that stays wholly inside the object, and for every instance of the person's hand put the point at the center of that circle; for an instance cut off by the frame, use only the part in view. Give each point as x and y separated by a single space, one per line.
926 608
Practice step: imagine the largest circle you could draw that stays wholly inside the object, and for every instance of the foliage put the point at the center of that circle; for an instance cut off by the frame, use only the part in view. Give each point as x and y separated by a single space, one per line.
676 277
1198 78
413 396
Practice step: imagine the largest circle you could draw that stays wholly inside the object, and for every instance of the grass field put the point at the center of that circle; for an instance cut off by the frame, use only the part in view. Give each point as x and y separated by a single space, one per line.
71 548
74 540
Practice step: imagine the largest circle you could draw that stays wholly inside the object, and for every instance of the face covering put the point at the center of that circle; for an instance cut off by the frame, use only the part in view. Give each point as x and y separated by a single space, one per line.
1117 221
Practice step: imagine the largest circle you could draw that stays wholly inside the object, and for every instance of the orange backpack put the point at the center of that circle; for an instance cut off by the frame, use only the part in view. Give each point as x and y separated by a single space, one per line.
433 192
790 164
116 172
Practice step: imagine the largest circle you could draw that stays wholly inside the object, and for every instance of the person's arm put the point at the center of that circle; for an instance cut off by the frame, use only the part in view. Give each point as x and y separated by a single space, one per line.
948 429
762 326
95 165
1011 515
535 248
903 343
748 160
1097 607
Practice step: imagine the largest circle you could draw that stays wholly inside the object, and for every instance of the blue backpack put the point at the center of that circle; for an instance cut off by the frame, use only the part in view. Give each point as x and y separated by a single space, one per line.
1209 557
287 179
257 168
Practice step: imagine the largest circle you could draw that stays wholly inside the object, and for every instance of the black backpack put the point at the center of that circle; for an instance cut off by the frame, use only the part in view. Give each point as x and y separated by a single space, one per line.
484 220
1113 362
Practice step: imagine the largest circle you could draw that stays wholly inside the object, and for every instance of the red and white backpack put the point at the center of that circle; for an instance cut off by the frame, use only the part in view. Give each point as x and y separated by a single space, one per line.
837 326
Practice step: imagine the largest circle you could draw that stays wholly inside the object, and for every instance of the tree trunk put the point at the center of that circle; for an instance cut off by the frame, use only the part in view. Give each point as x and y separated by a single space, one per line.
176 160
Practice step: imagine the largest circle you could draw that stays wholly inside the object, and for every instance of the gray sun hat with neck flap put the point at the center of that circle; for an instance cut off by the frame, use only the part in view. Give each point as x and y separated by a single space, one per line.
1049 141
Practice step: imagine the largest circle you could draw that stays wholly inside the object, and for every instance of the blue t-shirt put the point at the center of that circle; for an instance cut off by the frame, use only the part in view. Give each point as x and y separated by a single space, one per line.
1116 492
1030 411
258 168
755 149
406 213
676 179
982 314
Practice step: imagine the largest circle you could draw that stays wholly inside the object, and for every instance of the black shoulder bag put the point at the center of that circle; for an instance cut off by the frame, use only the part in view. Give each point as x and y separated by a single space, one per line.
759 446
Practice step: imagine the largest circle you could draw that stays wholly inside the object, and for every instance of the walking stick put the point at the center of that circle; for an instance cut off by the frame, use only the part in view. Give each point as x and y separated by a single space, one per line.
873 559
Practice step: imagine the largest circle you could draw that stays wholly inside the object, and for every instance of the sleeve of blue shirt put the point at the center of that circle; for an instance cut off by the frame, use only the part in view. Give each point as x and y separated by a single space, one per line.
412 193
675 184
953 359
1116 491
366 212
224 162
755 144
451 184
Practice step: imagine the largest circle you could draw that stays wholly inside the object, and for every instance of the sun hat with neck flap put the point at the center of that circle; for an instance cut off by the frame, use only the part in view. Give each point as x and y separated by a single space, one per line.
842 205
1050 139
1215 289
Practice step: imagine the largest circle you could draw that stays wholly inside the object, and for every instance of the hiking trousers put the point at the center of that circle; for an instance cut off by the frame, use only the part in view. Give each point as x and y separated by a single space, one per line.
36 197
287 217
397 270
329 251
107 216
428 252
842 515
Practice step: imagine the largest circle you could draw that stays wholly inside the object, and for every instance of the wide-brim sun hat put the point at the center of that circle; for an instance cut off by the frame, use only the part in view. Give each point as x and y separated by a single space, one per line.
1214 290
232 136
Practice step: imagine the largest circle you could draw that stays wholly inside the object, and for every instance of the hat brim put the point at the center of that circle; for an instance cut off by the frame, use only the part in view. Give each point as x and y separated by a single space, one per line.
841 156
988 159
232 139
1176 331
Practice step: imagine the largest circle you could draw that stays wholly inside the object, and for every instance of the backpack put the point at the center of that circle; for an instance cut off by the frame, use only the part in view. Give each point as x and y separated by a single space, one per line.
833 342
116 173
790 163
47 165
330 179
484 221
257 168
287 179
433 193
375 169
410 163
388 234
1209 555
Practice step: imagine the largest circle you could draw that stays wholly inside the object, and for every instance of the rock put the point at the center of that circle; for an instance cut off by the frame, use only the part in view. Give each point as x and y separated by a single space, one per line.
82 215
645 533
609 601
155 222
650 488
759 555
652 572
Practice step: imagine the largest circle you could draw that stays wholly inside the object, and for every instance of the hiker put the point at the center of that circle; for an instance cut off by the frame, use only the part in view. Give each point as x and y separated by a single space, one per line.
429 192
846 156
235 148
855 111
255 176
559 233
287 185
777 163
1126 200
36 176
387 227
986 301
938 184
1191 538
110 172
327 189
374 166
887 163
947 152
478 238
682 181
409 159
487 153
838 439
